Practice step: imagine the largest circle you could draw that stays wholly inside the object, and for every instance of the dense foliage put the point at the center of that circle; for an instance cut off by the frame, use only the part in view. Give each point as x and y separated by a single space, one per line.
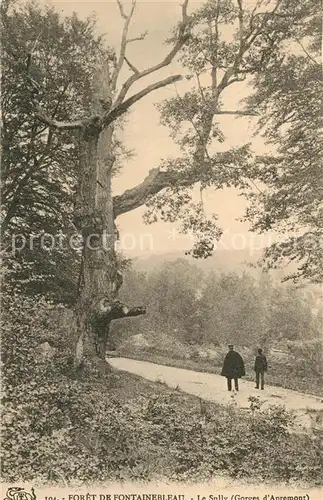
274 50
38 165
47 61
288 97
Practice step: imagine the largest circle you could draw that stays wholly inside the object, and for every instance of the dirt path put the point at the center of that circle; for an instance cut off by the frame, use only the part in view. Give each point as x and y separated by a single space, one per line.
212 387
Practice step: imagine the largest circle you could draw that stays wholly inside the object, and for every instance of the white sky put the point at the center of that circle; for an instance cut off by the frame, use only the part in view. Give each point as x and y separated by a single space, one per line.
150 140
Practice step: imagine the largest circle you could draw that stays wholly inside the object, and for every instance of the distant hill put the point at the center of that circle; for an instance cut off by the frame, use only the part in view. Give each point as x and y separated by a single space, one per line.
221 260
232 261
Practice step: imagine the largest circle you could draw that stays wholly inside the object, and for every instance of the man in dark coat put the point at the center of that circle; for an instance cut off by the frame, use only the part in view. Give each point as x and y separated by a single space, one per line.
233 368
260 369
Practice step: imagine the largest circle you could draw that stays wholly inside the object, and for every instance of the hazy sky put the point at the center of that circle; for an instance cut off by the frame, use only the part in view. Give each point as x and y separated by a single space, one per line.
150 140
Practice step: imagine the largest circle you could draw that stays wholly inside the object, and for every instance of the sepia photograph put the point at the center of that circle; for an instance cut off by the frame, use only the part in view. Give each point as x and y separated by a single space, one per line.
161 250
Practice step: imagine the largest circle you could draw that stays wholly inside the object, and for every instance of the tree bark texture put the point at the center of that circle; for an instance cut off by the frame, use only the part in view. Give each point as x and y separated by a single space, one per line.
100 278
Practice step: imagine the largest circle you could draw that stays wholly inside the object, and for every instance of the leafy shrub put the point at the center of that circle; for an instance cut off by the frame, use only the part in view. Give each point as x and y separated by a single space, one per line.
309 354
261 446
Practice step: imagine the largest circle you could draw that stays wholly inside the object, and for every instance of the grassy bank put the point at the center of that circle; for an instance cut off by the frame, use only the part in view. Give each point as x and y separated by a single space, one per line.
127 428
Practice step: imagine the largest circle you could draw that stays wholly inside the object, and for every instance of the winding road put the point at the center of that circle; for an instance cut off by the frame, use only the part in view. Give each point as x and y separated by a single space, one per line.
212 387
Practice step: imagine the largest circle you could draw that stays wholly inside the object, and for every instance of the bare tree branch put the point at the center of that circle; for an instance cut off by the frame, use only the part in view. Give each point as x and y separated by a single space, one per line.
57 124
307 53
123 41
155 182
242 113
124 106
138 195
241 24
131 66
137 38
200 86
122 12
181 39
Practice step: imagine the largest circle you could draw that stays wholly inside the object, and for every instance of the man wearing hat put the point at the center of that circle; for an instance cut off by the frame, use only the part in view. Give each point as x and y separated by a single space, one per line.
233 368
260 369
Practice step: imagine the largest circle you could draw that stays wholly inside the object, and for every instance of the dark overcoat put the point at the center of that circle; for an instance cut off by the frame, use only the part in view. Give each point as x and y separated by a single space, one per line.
233 365
260 363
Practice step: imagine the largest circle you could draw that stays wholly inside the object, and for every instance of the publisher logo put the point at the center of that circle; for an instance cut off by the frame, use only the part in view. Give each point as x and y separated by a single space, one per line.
16 493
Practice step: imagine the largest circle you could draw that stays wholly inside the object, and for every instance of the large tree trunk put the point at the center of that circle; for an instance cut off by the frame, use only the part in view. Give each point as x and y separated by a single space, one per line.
100 278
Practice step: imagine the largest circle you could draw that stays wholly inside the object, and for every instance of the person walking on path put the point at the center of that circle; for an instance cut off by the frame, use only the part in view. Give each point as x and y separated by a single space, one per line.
233 368
260 369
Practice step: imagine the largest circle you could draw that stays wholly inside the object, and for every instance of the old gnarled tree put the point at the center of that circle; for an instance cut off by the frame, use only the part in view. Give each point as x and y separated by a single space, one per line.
95 209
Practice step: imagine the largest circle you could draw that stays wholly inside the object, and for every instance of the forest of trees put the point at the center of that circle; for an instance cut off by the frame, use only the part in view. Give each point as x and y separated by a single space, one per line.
195 314
216 307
